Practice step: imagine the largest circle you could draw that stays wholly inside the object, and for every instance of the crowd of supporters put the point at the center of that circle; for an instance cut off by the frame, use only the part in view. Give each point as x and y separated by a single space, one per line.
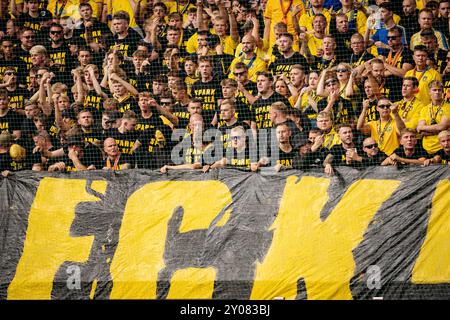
204 84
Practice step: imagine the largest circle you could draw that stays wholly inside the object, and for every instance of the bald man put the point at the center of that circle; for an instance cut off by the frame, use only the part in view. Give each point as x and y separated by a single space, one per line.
115 160
249 57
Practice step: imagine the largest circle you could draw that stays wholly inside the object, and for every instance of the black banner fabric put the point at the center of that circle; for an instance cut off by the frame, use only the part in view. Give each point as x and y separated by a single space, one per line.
139 234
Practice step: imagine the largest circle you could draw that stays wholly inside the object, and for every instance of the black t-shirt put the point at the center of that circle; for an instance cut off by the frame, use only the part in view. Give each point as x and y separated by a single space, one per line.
343 44
373 161
97 31
392 88
25 20
410 23
340 158
181 112
19 65
226 131
129 44
92 136
444 156
8 163
320 63
239 160
342 111
261 109
284 65
419 152
17 98
309 160
61 60
11 121
251 88
125 141
446 82
357 60
372 113
129 103
209 93
26 58
439 58
285 158
91 156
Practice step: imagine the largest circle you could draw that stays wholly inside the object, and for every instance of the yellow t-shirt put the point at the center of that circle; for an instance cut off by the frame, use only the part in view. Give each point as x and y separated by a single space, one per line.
361 20
253 67
69 9
75 13
314 43
331 139
409 111
114 6
386 134
428 113
306 19
173 6
228 44
274 12
424 78
416 40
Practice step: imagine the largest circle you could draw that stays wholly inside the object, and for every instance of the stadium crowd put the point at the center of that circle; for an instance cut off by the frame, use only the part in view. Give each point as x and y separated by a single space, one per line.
204 84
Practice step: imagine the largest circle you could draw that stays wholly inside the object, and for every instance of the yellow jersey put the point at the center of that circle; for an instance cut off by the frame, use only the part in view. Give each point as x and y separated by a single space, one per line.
228 44
386 134
424 77
409 111
433 115
254 65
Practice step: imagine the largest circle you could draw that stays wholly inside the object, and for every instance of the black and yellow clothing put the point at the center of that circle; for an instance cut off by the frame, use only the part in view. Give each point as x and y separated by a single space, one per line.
19 66
309 160
409 111
125 141
357 60
17 98
129 44
98 31
225 132
282 65
386 134
433 115
128 102
391 88
446 82
261 110
239 160
285 158
92 156
11 121
372 113
254 65
62 60
445 157
342 111
92 136
340 158
250 86
27 21
320 63
181 112
399 58
209 92
418 153
119 162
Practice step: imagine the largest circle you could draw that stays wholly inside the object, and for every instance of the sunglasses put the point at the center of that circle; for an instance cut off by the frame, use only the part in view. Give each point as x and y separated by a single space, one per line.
56 32
29 37
239 73
330 83
341 70
384 106
371 146
166 103
392 37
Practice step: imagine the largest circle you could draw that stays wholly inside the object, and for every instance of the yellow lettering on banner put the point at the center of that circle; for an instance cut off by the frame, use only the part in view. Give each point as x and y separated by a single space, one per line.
433 264
142 239
181 285
48 242
318 251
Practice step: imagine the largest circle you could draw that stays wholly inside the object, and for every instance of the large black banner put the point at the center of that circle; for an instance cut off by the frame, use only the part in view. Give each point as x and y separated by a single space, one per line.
226 234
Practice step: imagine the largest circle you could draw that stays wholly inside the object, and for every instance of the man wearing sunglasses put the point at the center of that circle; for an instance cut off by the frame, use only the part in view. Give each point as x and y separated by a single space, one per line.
16 94
386 130
10 59
399 60
59 53
373 156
